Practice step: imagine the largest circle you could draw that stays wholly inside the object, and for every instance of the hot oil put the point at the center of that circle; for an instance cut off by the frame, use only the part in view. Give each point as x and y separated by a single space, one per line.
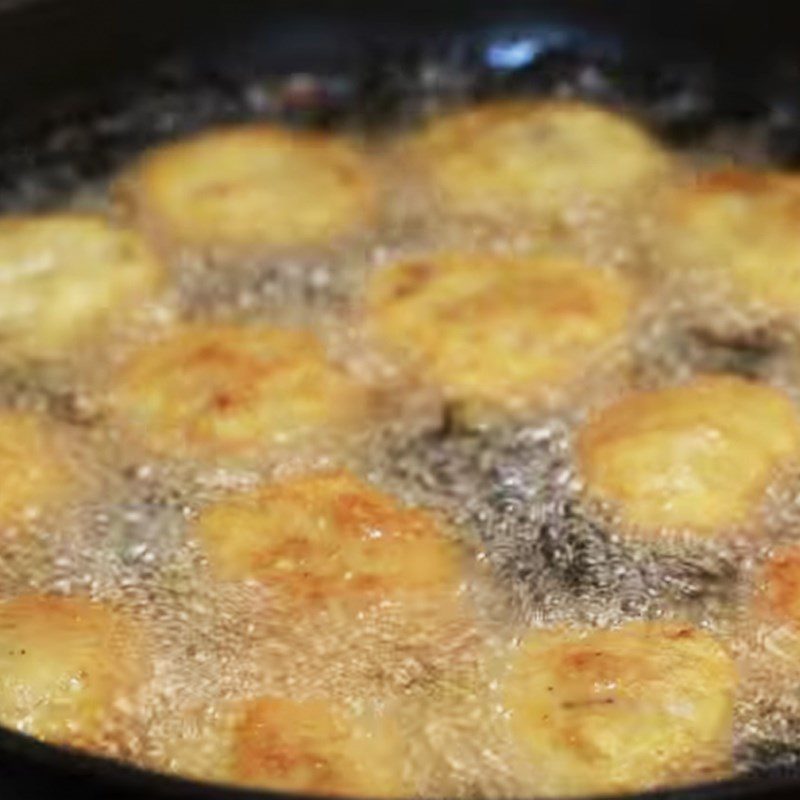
535 554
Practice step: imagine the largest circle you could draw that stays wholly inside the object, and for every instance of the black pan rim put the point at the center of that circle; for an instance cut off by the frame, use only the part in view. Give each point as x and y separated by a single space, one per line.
107 775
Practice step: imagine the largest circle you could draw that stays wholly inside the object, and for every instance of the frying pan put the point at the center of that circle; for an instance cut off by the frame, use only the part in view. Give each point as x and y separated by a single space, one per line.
86 84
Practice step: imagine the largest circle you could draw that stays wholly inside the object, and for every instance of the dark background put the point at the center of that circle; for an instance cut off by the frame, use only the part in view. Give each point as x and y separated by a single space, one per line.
48 46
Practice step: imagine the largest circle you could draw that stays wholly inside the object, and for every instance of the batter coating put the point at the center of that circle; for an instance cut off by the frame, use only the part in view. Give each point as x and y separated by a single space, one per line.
738 230
781 584
698 456
65 276
768 630
498 333
622 710
65 663
254 186
315 746
211 391
328 538
34 472
538 160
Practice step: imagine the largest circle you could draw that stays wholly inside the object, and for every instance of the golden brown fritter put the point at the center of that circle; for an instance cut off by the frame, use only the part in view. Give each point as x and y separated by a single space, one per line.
737 231
539 160
768 631
316 747
781 587
330 538
499 333
34 469
219 391
621 710
66 276
697 456
253 186
65 664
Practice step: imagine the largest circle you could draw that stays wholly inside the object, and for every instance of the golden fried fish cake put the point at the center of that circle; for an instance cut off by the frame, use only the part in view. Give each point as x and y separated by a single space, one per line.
775 609
697 456
195 742
316 747
330 538
65 666
497 332
781 586
64 276
623 709
228 391
737 229
768 629
253 186
34 470
535 160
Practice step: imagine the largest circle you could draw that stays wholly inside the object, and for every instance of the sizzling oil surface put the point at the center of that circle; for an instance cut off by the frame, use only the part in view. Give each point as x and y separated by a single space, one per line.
511 492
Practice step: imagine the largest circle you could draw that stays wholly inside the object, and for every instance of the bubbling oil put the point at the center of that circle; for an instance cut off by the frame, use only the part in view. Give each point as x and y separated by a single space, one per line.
541 555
